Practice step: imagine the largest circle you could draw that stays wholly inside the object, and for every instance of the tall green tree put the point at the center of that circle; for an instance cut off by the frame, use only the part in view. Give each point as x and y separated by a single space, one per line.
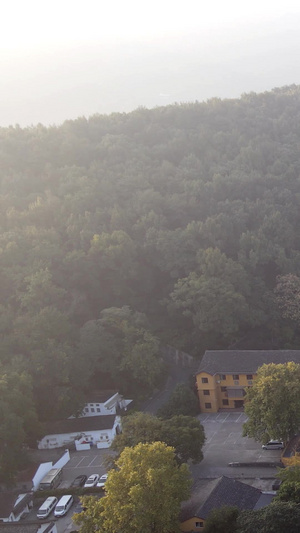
182 401
143 494
223 520
184 433
121 345
277 517
287 293
289 491
273 403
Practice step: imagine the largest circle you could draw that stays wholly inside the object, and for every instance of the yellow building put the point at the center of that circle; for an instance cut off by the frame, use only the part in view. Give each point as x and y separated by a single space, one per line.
224 375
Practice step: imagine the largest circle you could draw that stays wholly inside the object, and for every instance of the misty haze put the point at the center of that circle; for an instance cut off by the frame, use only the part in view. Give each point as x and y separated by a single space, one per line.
52 85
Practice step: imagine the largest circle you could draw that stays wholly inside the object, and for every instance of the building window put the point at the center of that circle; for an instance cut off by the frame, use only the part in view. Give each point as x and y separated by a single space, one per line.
98 409
92 410
225 402
223 377
86 409
207 406
199 524
250 382
250 376
236 377
206 392
97 404
204 380
223 389
236 382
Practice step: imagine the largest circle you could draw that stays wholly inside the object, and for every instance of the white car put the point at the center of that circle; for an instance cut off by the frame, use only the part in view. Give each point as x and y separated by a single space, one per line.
102 481
273 445
92 481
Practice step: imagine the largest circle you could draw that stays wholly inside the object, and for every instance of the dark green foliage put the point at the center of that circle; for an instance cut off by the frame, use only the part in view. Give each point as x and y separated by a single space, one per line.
182 401
184 433
223 520
77 491
121 233
289 491
277 517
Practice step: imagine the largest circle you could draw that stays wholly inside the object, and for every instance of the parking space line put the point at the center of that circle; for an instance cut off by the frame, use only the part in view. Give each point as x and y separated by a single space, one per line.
208 440
83 458
90 464
229 436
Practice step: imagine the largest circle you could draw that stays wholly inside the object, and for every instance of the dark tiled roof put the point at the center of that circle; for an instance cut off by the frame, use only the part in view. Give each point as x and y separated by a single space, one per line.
244 361
25 527
220 492
8 500
77 425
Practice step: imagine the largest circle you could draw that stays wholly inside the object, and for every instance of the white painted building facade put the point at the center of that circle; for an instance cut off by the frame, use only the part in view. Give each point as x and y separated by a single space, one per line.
95 431
104 403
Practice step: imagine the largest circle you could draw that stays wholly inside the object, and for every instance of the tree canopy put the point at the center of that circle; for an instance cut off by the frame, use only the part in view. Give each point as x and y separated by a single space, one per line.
274 518
143 494
273 403
184 433
120 234
182 401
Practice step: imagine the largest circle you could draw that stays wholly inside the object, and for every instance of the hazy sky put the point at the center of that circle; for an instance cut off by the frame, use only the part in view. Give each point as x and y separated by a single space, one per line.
63 59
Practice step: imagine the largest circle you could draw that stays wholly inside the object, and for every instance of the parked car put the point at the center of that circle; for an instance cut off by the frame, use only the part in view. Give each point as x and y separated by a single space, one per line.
92 481
102 481
79 481
47 507
63 505
273 445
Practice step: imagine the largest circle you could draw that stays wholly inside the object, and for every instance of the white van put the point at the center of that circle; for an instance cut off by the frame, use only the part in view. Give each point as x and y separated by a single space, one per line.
63 505
47 507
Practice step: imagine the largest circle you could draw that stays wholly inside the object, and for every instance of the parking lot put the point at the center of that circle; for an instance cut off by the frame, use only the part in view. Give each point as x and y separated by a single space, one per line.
84 462
225 444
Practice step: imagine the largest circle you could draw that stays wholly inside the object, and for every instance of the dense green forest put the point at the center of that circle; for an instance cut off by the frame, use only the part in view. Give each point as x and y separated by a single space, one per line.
123 233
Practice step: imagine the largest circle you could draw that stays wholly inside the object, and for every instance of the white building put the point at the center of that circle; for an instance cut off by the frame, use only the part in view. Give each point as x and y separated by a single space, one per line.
94 430
104 403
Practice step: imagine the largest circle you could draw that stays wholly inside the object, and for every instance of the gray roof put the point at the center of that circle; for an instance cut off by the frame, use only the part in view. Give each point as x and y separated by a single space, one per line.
264 500
243 361
8 502
217 493
25 527
77 425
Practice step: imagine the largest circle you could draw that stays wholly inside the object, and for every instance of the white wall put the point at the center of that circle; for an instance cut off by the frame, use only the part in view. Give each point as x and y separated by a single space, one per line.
42 470
57 441
65 458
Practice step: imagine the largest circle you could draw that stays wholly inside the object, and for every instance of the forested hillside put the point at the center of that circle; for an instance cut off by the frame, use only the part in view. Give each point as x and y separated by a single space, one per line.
124 232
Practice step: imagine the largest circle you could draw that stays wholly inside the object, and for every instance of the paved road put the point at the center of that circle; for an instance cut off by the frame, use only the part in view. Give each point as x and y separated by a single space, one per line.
225 444
176 375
